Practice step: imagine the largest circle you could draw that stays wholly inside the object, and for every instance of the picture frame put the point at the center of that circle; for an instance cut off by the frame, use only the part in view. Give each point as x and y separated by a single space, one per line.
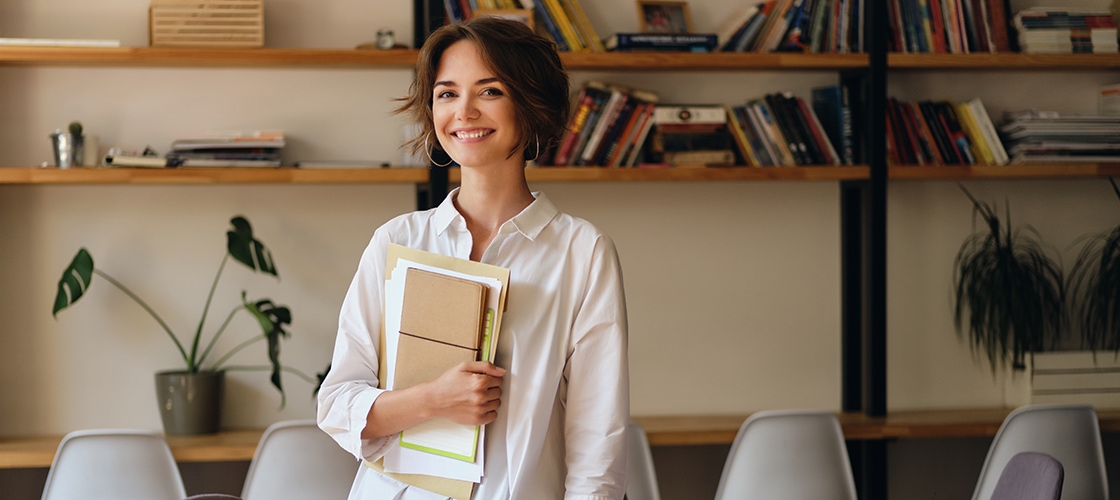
523 16
664 17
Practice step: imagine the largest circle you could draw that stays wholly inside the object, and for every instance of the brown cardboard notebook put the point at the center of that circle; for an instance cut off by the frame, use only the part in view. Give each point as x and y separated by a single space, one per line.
442 318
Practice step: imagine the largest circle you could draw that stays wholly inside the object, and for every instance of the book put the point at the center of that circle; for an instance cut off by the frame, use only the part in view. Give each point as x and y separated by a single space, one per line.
584 26
831 106
592 94
550 25
687 42
734 25
988 130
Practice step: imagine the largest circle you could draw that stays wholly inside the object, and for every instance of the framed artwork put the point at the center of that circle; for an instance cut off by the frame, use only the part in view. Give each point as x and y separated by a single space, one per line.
664 17
523 16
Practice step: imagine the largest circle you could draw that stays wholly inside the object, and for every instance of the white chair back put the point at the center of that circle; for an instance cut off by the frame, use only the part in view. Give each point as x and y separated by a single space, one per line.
113 464
788 454
1069 433
295 460
642 483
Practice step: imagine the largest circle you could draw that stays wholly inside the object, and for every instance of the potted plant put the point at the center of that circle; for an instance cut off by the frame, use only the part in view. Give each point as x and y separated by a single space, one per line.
1094 285
181 391
1009 292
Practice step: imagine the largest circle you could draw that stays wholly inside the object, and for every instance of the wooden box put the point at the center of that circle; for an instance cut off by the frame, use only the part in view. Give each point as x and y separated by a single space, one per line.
206 23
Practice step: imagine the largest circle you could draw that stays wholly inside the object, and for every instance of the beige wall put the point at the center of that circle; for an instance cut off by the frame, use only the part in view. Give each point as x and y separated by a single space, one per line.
733 288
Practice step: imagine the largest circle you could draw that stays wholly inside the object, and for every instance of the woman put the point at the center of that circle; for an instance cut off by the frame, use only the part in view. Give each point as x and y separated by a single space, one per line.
492 94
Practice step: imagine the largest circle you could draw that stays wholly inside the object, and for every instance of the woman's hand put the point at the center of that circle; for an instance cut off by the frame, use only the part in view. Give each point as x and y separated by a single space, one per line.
468 394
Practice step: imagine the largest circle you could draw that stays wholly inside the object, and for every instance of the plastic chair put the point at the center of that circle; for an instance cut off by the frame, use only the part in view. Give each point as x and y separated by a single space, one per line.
1069 433
1030 476
296 460
212 496
113 464
642 484
788 454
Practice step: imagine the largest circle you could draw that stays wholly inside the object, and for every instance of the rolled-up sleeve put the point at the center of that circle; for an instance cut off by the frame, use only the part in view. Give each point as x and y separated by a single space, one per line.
598 396
351 386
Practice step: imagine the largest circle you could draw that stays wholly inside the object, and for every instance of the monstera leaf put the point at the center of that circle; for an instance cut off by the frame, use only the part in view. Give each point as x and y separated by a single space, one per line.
272 319
74 281
248 250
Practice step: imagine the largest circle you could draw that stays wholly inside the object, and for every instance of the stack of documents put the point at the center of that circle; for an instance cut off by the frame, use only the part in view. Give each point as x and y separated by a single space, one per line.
439 312
258 148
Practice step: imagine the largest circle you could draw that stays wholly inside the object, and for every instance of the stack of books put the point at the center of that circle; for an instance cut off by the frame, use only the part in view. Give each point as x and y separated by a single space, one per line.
942 133
664 42
1045 30
1045 137
608 128
689 135
259 148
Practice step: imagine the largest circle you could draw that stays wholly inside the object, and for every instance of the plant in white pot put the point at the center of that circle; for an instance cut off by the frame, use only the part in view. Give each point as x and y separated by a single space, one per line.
1009 292
201 379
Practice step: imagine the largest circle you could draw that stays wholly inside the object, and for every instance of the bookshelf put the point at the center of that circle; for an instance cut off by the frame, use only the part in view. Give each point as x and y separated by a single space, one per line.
858 182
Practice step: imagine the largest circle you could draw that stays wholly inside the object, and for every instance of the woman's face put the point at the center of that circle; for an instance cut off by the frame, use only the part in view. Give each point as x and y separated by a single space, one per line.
472 112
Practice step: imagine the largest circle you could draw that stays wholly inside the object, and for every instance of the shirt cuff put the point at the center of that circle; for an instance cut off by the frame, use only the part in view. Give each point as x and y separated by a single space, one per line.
370 449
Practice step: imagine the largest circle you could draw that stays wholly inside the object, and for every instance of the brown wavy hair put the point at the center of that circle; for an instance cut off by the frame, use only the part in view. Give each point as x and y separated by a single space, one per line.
526 63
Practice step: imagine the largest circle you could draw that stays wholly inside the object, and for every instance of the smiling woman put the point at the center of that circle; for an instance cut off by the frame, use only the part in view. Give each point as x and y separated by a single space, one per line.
555 401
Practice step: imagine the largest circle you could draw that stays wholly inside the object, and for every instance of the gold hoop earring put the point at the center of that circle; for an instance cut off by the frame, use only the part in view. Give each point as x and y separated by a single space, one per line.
428 152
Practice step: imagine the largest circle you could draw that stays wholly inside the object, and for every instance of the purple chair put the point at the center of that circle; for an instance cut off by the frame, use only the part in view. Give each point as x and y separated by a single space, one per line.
1030 476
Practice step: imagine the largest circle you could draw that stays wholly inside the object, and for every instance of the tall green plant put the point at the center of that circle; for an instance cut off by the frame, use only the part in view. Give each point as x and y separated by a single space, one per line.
243 247
1094 284
1009 293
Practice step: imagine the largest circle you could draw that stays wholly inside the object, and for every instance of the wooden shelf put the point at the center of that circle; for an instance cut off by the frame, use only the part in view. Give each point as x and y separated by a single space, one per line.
1005 61
239 445
204 57
406 58
686 174
282 175
1032 171
718 61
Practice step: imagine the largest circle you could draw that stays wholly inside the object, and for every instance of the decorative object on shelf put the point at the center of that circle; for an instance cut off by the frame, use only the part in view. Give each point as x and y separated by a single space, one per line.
206 23
1094 288
243 247
1009 294
664 17
68 146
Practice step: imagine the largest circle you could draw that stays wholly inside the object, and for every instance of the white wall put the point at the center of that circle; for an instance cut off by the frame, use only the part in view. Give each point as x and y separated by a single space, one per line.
733 288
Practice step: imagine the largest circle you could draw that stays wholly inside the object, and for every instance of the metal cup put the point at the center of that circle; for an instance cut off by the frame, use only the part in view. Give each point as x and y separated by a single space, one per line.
67 148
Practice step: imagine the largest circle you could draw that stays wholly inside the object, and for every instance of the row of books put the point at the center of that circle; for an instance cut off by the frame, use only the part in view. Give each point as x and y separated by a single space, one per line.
942 133
949 26
831 26
567 24
1040 136
1047 30
609 125
781 129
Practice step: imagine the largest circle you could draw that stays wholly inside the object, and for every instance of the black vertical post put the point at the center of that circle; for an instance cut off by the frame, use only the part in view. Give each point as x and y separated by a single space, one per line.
864 259
427 15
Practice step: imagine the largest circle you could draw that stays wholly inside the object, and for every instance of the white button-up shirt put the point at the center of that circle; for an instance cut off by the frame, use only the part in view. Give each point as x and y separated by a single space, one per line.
561 429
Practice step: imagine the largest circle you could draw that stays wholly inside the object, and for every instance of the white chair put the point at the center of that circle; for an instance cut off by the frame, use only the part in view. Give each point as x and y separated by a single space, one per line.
295 460
1069 433
642 484
113 464
788 454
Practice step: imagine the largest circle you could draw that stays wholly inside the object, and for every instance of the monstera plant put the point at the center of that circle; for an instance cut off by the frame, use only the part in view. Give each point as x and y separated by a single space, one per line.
1094 284
1009 292
242 247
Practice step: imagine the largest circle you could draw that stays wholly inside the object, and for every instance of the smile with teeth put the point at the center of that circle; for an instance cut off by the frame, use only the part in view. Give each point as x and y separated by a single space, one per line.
473 134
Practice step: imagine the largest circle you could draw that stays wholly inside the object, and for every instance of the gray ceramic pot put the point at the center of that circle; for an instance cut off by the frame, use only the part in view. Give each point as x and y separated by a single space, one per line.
190 403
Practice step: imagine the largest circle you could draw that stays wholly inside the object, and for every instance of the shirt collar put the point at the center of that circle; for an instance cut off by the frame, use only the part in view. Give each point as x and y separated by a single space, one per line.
530 222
